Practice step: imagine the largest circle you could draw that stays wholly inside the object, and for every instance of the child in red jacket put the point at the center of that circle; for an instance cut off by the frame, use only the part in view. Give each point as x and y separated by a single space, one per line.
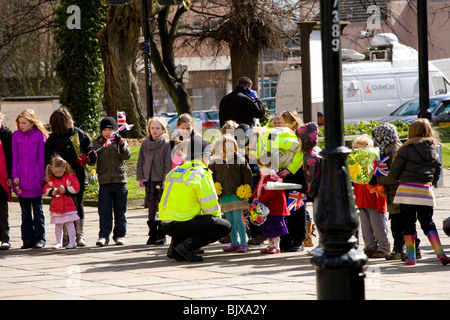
62 185
372 212
275 225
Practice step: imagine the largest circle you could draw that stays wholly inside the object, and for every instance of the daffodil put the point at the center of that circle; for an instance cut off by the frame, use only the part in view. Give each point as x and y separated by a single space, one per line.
244 191
218 188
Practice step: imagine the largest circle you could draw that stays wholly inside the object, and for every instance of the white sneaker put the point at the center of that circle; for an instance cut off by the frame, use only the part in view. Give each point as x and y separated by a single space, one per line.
57 246
120 241
316 250
101 242
5 246
71 246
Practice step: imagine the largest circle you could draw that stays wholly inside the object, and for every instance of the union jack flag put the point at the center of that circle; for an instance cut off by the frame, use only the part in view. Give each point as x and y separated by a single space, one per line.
381 168
296 200
122 121
110 140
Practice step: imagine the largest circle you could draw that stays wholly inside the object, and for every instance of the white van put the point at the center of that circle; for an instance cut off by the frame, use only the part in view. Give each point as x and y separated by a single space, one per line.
371 88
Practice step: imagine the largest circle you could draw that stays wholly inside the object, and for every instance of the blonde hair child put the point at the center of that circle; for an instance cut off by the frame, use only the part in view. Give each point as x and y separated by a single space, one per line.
31 116
154 162
232 175
291 119
28 165
362 141
62 185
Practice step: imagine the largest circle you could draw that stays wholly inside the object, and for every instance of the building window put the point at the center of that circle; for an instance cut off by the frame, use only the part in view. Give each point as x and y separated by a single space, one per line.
269 87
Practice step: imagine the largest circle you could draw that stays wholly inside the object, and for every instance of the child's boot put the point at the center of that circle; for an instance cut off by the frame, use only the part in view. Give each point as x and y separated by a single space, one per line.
79 232
410 244
308 242
433 236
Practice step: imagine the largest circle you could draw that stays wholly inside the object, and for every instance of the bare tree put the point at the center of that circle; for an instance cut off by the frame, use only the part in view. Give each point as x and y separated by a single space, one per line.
245 28
27 51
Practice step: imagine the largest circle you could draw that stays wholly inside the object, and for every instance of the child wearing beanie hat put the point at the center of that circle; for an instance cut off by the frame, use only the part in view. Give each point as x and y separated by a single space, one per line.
112 178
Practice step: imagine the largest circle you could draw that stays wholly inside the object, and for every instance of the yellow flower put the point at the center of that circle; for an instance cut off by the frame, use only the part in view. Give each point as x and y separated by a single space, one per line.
93 171
218 187
244 191
354 170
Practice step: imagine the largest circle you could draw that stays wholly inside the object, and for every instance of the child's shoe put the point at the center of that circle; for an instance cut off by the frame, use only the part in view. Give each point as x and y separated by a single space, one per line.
243 248
101 242
231 247
120 241
396 255
71 246
444 259
5 246
270 250
57 246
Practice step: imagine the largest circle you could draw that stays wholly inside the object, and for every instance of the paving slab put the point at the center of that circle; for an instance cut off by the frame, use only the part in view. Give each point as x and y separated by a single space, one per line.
136 271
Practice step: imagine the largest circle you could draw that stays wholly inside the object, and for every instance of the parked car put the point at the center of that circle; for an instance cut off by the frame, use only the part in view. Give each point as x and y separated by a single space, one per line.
166 115
441 116
206 122
408 111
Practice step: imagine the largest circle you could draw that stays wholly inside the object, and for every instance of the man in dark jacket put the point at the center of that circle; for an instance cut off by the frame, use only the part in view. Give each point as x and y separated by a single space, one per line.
241 105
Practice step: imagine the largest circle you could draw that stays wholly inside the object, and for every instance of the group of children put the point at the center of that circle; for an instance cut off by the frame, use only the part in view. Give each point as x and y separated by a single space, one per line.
235 159
413 168
34 163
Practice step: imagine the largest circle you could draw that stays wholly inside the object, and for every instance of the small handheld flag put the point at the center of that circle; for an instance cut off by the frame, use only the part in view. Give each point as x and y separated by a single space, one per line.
122 121
381 168
296 200
110 140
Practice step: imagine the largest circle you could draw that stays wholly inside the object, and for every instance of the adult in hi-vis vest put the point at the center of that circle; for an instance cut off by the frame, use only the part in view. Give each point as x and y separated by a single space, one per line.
189 209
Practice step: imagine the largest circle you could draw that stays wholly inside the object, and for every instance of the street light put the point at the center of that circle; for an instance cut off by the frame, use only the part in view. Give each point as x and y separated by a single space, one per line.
146 49
339 272
424 89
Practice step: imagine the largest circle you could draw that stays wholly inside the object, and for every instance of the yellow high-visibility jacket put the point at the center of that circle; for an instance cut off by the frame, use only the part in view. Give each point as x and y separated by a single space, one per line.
188 191
281 143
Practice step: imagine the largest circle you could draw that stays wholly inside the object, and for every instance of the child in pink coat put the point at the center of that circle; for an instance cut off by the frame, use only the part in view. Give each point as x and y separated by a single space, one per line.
62 185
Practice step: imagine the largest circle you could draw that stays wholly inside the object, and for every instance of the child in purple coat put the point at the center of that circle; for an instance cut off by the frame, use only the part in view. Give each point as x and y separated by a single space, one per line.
28 174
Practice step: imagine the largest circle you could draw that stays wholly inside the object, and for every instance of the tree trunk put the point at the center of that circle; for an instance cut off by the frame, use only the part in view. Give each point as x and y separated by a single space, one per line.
244 62
119 43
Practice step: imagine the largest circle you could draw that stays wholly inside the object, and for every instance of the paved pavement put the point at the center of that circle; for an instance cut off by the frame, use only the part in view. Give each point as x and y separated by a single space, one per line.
136 271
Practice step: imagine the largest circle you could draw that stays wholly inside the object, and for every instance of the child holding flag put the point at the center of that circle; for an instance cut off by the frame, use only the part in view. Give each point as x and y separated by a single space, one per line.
372 207
275 226
112 178
386 137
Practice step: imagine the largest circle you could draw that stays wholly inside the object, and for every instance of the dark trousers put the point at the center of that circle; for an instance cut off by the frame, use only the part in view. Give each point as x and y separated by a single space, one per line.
4 222
397 232
411 213
296 224
112 198
203 230
33 221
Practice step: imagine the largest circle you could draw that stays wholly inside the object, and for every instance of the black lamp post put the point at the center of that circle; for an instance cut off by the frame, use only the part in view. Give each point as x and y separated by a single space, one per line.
146 50
424 86
339 273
